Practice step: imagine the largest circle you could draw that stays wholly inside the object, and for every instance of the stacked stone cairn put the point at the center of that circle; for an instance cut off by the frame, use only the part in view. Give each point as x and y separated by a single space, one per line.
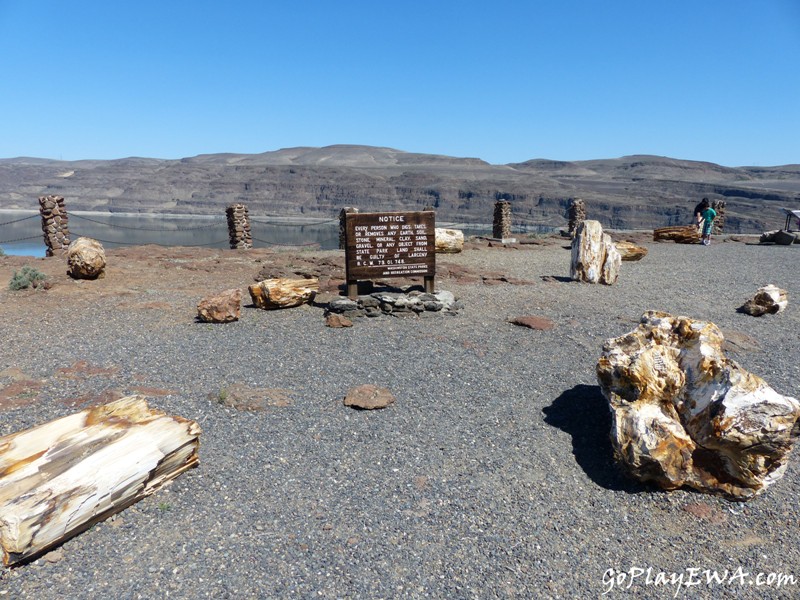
576 214
719 220
54 223
239 227
343 225
501 226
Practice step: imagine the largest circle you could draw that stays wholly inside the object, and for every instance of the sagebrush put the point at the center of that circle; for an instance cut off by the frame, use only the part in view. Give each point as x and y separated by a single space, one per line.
26 277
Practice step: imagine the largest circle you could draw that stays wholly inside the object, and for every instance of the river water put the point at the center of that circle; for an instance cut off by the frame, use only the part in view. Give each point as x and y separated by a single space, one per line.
21 231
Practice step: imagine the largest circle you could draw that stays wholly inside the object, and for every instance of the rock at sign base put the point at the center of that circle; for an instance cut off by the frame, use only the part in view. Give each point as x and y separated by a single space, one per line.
283 292
685 415
368 397
337 321
594 256
768 300
86 259
220 308
533 322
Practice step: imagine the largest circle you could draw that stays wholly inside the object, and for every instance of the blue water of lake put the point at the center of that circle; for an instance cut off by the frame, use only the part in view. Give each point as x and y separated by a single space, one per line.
21 231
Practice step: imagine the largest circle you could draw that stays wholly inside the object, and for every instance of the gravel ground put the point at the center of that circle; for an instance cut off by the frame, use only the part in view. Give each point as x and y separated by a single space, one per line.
491 475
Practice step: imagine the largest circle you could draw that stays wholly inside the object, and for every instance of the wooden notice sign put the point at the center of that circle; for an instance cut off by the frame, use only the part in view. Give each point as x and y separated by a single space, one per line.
395 244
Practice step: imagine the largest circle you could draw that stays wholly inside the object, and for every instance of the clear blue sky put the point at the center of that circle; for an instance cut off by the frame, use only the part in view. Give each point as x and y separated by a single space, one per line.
505 81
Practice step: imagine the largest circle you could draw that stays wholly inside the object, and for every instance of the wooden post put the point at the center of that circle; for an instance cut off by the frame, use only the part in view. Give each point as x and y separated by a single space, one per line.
429 286
343 225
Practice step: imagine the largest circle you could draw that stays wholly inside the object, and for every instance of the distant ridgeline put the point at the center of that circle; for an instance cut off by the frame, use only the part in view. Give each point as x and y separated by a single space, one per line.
635 192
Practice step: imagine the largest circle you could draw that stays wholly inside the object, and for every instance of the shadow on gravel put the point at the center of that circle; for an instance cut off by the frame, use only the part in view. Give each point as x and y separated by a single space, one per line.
583 413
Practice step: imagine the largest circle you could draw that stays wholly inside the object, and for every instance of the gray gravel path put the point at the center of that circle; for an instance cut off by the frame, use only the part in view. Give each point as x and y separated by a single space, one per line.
490 477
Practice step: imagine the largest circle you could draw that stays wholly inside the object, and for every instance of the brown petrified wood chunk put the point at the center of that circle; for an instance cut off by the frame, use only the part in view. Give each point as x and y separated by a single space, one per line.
680 234
686 415
224 307
59 478
630 252
283 292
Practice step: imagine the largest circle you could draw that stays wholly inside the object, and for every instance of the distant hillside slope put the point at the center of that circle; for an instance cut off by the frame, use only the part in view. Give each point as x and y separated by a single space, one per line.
632 192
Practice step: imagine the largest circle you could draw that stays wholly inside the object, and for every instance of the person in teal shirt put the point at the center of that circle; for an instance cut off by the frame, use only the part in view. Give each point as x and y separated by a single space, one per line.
709 214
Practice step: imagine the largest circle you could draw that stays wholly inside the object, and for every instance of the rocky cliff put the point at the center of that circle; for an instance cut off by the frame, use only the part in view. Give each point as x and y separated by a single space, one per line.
633 192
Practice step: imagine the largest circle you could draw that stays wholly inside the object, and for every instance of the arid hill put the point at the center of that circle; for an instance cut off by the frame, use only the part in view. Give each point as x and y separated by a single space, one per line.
632 192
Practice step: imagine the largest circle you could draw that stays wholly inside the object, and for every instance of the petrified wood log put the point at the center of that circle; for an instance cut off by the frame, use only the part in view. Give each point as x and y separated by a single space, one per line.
449 241
630 251
594 257
283 292
680 234
686 415
60 478
769 299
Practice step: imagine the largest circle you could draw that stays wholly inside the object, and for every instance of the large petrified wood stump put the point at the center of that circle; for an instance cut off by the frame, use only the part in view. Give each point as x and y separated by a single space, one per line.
595 258
60 478
685 414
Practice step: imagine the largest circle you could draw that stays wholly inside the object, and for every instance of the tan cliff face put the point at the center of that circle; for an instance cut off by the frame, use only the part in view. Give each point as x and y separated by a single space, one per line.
637 192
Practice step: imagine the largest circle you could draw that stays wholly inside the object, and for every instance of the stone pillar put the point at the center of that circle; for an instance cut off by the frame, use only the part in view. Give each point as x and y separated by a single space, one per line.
342 226
719 221
54 223
239 227
576 214
501 226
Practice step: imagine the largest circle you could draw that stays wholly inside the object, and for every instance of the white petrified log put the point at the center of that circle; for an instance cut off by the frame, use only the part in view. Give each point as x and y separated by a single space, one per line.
61 477
769 299
685 414
283 292
449 241
86 259
594 256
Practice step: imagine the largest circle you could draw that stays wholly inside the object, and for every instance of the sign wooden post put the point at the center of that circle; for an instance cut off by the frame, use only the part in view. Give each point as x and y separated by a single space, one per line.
394 244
